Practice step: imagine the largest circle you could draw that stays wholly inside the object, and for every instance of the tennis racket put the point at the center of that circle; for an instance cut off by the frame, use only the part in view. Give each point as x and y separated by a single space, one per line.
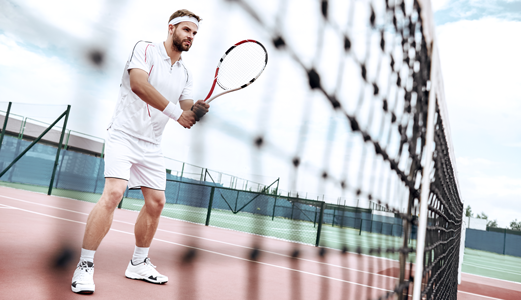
239 67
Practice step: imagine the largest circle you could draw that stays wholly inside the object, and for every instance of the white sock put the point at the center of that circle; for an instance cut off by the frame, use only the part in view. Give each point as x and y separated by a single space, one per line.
87 255
140 253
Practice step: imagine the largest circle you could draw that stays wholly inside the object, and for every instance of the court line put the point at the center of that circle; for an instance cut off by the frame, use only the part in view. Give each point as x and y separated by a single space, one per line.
213 252
478 295
6 207
216 241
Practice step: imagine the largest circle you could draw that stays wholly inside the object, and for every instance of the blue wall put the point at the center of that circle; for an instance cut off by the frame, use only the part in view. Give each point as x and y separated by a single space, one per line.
497 242
84 173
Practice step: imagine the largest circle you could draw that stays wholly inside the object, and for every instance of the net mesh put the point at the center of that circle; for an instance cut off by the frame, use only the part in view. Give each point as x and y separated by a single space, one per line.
369 64
444 224
341 110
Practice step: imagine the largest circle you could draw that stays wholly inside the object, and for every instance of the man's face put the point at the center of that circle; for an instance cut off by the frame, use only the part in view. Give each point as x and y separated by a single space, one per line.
183 35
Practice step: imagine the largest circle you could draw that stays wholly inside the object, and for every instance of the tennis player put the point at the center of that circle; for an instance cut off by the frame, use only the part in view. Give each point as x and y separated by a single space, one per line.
156 86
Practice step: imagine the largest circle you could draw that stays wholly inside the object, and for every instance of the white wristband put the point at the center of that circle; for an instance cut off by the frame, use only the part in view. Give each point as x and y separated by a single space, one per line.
173 111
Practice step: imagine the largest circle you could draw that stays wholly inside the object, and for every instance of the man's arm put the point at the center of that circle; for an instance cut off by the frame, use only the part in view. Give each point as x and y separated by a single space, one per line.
186 104
141 87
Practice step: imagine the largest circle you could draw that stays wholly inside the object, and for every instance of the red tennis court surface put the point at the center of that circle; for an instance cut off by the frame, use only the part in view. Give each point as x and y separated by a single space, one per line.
35 228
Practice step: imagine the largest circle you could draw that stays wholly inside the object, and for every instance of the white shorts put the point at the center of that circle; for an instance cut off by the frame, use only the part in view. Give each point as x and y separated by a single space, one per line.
139 162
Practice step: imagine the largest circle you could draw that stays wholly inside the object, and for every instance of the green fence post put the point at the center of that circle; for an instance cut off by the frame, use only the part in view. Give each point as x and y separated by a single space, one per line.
361 222
102 155
504 241
22 129
5 123
59 171
97 176
275 202
59 148
210 203
274 205
121 202
182 171
67 140
334 213
320 220
236 200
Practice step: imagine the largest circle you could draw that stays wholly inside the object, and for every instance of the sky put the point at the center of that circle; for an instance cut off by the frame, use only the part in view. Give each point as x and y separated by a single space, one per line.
44 50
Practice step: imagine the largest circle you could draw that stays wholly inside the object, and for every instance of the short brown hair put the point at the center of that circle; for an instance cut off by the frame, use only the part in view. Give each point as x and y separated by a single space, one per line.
184 12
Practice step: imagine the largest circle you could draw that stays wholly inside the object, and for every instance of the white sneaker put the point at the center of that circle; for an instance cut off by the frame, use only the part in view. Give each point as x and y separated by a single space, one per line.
145 271
82 280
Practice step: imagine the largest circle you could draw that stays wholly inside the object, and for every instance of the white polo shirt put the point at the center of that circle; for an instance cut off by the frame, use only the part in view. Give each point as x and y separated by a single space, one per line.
174 81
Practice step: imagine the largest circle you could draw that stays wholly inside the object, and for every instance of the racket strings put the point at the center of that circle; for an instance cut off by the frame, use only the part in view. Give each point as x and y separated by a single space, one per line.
241 65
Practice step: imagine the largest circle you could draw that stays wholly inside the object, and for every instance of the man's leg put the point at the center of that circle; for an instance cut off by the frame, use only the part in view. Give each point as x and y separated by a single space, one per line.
98 224
148 218
144 230
100 218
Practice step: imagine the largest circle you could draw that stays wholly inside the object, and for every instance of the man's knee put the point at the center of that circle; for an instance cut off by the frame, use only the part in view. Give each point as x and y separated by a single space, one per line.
112 195
115 195
155 201
156 205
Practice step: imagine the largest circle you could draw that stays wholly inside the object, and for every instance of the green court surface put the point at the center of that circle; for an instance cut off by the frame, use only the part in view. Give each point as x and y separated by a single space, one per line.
493 265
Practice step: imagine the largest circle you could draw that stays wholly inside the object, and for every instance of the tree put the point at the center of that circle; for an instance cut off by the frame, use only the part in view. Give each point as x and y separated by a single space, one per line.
492 224
468 211
482 216
515 225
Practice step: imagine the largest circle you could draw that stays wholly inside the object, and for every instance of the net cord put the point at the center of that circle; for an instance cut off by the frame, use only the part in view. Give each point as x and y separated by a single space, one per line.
425 185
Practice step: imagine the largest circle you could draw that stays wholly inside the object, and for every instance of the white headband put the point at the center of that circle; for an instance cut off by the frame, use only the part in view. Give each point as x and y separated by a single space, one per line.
184 19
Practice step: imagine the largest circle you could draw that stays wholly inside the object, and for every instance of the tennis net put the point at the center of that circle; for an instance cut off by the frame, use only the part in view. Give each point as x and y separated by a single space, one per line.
367 95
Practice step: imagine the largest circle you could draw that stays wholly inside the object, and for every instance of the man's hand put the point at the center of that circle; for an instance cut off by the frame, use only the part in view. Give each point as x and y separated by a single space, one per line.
187 119
200 108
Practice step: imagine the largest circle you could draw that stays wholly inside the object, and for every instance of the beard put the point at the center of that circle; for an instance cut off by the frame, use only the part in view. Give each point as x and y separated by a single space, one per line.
178 43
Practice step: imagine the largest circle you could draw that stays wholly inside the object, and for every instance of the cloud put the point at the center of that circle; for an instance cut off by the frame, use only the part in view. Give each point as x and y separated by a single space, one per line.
515 145
22 68
439 4
457 10
481 76
498 196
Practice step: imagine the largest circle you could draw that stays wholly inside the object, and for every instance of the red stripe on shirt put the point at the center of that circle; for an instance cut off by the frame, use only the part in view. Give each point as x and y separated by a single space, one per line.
149 76
146 52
